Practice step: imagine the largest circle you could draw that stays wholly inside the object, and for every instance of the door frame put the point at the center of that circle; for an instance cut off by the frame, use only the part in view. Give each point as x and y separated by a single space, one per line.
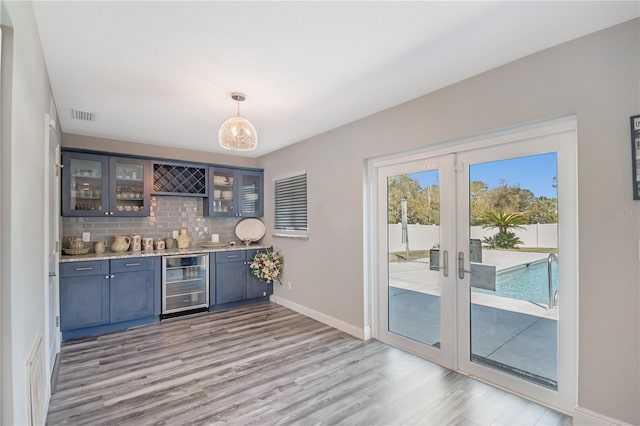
446 353
568 204
51 171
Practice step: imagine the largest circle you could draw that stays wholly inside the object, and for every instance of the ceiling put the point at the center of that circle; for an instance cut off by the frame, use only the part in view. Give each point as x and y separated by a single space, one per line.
162 72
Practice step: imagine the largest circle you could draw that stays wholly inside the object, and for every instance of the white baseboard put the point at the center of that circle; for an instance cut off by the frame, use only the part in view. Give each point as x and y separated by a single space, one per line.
367 333
323 318
585 417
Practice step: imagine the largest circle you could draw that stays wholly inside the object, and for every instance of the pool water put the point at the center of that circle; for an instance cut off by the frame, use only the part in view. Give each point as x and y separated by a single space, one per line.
525 283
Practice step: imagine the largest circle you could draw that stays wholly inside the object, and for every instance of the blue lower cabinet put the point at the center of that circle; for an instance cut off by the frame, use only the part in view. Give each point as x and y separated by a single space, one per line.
126 295
231 281
131 296
84 302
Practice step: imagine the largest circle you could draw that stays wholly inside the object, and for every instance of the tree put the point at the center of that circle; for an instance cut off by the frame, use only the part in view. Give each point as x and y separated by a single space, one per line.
504 221
504 238
403 187
542 210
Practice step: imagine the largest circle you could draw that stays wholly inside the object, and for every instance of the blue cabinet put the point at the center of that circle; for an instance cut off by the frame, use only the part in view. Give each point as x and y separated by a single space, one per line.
231 281
101 296
231 271
84 302
235 193
131 289
102 185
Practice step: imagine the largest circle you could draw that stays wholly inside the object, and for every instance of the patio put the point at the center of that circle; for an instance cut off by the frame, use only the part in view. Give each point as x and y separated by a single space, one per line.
515 335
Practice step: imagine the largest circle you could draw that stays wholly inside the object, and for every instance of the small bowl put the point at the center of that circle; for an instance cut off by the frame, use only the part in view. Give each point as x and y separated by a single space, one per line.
217 194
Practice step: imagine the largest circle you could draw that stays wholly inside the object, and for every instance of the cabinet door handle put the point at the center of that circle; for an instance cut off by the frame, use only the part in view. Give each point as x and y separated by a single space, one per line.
110 213
107 276
132 264
85 268
106 213
230 257
112 276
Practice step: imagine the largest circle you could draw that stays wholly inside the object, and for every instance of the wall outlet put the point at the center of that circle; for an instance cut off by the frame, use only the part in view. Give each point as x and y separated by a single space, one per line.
289 284
175 234
86 237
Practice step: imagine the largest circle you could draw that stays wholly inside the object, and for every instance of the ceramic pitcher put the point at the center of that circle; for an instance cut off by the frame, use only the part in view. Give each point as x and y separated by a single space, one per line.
120 243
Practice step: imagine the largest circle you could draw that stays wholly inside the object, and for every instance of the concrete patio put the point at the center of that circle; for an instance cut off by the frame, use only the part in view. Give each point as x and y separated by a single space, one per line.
514 335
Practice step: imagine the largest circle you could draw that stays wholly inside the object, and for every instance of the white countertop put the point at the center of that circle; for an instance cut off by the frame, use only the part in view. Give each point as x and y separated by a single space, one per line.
108 255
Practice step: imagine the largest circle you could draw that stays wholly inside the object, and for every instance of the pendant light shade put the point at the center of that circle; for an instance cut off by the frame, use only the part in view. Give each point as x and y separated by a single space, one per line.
237 133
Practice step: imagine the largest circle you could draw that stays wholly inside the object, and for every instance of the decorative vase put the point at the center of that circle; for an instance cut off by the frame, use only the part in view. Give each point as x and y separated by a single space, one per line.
183 239
169 242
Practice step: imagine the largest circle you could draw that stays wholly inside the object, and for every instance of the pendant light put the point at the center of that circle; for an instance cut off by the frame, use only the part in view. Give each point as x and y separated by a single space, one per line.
237 133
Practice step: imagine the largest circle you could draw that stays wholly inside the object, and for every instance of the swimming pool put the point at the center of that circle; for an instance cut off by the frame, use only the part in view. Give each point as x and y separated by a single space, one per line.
525 283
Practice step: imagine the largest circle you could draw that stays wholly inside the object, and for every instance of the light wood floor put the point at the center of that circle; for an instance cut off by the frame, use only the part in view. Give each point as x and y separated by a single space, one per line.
264 365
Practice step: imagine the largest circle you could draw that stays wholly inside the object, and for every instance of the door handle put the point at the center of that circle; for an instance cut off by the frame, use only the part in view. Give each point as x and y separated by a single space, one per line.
132 264
445 263
461 269
52 274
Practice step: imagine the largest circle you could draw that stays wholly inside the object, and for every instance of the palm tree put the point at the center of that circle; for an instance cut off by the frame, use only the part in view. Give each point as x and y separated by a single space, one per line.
504 239
503 221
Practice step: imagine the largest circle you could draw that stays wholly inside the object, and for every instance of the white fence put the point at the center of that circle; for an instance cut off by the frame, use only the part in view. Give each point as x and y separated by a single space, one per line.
424 237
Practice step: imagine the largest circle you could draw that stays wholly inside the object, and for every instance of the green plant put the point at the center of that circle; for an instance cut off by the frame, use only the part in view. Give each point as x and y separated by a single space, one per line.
502 240
503 221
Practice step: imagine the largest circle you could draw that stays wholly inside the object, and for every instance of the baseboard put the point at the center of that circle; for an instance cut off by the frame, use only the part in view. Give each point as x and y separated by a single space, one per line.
585 417
319 316
367 333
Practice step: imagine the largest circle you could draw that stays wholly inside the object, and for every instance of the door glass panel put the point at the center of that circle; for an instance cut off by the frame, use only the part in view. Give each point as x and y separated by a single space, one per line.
413 229
129 187
223 191
86 185
250 189
513 253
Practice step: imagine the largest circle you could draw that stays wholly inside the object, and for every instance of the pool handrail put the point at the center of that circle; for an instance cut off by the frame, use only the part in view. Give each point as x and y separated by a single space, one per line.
550 259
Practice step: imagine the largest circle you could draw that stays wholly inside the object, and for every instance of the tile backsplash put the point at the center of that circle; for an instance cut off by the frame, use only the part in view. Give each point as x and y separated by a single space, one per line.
168 213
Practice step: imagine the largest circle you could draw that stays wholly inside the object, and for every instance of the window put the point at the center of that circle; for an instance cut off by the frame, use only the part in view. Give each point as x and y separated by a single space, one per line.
291 205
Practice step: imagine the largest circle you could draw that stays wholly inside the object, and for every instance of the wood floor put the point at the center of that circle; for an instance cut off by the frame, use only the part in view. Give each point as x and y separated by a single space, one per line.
264 365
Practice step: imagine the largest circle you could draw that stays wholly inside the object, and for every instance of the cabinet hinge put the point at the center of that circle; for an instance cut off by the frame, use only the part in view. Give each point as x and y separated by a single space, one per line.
57 321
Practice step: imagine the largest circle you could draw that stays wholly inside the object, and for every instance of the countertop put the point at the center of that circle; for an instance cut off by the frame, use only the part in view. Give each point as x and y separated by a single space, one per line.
108 255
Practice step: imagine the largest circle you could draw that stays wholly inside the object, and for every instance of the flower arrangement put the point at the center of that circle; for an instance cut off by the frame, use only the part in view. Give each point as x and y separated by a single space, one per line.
267 266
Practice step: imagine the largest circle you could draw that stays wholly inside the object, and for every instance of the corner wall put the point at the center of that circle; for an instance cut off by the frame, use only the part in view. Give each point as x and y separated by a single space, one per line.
23 209
596 77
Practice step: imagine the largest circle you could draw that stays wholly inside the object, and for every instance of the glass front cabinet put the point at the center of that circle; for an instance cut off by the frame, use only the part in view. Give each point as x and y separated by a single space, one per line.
235 193
100 185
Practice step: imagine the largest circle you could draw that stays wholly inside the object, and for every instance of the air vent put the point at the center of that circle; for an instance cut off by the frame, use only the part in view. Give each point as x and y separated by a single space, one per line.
83 115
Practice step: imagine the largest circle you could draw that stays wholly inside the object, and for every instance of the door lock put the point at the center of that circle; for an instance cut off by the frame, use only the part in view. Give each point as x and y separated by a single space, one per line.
461 269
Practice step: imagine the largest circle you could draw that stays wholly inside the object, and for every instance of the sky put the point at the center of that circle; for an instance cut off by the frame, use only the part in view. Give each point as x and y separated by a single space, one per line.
534 173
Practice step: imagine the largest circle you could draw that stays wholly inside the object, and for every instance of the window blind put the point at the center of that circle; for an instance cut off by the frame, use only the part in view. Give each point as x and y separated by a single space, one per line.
291 203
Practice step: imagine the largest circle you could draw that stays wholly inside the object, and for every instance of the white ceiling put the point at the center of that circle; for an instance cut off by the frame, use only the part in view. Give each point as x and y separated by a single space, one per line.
162 72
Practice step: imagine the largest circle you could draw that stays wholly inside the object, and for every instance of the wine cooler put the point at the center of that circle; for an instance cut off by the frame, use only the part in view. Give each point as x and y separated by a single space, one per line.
185 284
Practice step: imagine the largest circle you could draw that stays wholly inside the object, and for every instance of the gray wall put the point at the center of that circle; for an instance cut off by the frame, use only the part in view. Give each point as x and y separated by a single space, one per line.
70 140
595 77
23 208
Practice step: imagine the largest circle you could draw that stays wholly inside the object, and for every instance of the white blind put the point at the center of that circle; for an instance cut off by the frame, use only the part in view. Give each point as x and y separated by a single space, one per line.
291 203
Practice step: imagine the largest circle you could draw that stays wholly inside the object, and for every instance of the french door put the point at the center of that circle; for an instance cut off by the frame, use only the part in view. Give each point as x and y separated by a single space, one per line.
476 261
